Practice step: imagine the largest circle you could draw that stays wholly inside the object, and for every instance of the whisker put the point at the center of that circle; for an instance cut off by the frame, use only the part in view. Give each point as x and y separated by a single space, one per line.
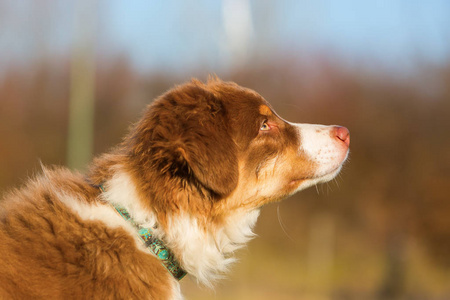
329 188
282 225
337 182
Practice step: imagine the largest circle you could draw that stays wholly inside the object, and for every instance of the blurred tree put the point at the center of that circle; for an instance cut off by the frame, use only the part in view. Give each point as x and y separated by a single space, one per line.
81 109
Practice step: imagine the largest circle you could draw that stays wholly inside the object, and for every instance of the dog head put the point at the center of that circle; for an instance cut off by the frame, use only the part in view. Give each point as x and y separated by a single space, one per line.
224 145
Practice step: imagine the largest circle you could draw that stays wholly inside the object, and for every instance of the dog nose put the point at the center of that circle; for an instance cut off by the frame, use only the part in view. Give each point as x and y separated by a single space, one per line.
342 134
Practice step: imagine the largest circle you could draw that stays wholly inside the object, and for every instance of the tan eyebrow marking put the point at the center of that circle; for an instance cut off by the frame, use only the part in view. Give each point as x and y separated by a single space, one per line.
265 110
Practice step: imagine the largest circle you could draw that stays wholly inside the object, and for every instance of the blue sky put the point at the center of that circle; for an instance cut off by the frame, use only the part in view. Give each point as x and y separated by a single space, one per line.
182 34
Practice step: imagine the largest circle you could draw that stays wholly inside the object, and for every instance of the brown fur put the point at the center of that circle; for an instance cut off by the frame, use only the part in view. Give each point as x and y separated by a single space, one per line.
48 252
197 150
189 132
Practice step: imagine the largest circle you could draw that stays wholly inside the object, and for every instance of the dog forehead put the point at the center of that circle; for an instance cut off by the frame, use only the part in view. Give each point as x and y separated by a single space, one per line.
265 110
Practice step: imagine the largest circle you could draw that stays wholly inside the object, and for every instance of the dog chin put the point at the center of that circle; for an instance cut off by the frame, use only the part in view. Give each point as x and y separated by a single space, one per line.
328 176
302 184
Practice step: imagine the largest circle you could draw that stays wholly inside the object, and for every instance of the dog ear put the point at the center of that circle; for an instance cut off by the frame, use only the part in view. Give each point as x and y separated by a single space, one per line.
188 136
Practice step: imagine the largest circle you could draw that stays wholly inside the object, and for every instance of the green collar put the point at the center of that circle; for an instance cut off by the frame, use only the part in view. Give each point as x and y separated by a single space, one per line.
155 245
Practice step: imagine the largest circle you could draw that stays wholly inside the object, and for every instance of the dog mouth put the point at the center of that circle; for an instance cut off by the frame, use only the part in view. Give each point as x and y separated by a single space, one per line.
318 178
332 171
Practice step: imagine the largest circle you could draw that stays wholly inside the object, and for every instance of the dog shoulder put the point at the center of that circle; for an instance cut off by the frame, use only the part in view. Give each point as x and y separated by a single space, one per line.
51 232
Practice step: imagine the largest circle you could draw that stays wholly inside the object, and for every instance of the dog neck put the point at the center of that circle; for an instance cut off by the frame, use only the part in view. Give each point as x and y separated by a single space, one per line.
153 244
203 252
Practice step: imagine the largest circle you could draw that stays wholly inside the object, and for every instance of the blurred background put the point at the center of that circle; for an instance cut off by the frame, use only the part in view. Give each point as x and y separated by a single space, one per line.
75 74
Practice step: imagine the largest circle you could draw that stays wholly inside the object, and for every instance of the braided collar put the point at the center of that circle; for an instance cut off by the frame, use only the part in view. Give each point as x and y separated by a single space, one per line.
153 244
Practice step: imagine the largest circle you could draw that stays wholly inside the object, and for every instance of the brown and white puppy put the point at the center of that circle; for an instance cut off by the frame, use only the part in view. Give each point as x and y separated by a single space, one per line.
196 169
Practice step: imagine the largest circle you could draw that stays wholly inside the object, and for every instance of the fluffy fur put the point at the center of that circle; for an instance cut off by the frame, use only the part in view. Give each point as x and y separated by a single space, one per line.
196 167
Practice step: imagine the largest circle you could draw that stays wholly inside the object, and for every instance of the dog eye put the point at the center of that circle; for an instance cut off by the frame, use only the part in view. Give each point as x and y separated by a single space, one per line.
264 126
